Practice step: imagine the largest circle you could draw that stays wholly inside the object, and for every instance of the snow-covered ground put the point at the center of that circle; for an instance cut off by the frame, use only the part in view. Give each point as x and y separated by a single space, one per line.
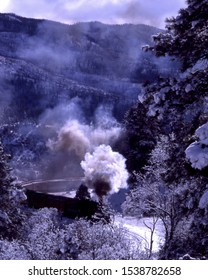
139 230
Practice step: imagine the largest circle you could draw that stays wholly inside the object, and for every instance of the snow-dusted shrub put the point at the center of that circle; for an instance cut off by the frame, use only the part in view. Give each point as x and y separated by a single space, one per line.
103 242
42 235
13 250
197 152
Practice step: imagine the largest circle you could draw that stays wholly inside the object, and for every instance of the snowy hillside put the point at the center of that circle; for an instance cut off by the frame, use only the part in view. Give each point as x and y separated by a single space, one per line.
46 67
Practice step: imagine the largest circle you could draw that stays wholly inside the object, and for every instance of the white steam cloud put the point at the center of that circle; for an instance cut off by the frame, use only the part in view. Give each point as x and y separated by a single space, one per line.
105 170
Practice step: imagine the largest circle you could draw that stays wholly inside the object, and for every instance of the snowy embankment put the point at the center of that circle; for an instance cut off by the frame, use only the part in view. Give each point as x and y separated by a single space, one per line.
136 227
140 231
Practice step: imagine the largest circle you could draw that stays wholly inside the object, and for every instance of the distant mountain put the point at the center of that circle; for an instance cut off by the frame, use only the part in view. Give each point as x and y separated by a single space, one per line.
45 64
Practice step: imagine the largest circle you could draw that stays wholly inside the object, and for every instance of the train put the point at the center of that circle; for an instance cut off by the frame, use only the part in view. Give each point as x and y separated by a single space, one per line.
45 194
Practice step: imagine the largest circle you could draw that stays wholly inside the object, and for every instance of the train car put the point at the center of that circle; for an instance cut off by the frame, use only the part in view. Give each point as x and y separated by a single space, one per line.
56 194
69 207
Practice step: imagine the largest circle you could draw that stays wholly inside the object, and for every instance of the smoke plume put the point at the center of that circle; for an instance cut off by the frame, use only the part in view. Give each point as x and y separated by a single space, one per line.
105 170
80 138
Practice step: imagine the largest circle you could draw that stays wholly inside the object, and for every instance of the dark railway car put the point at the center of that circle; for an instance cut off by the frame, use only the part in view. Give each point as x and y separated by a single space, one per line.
70 207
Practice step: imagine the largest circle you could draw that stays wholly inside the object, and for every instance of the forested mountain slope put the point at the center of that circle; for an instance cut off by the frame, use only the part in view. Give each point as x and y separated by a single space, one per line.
45 64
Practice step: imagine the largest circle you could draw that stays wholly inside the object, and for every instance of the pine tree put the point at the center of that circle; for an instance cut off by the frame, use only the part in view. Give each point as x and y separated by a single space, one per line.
141 131
10 196
186 36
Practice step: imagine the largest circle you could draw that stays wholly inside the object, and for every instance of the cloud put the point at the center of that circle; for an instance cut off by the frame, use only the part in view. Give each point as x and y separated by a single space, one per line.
4 5
151 12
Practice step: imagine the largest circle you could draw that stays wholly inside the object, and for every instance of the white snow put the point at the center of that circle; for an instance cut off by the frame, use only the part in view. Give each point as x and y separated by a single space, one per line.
13 17
197 152
138 229
197 156
188 88
202 133
70 194
152 111
203 203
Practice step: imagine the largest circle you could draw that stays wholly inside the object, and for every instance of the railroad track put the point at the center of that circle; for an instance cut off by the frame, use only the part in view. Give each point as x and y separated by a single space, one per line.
55 185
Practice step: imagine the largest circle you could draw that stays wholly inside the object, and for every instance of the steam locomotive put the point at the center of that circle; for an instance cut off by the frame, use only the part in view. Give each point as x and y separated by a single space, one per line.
77 207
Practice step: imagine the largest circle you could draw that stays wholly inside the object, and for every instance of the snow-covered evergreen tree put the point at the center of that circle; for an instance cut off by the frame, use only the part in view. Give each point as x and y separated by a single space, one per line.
178 104
186 36
10 197
141 132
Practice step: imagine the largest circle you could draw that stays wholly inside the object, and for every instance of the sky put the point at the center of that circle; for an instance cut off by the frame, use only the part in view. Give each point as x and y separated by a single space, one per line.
151 12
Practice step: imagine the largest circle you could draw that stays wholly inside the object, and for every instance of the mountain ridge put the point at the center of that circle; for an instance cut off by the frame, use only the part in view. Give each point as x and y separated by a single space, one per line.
93 56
